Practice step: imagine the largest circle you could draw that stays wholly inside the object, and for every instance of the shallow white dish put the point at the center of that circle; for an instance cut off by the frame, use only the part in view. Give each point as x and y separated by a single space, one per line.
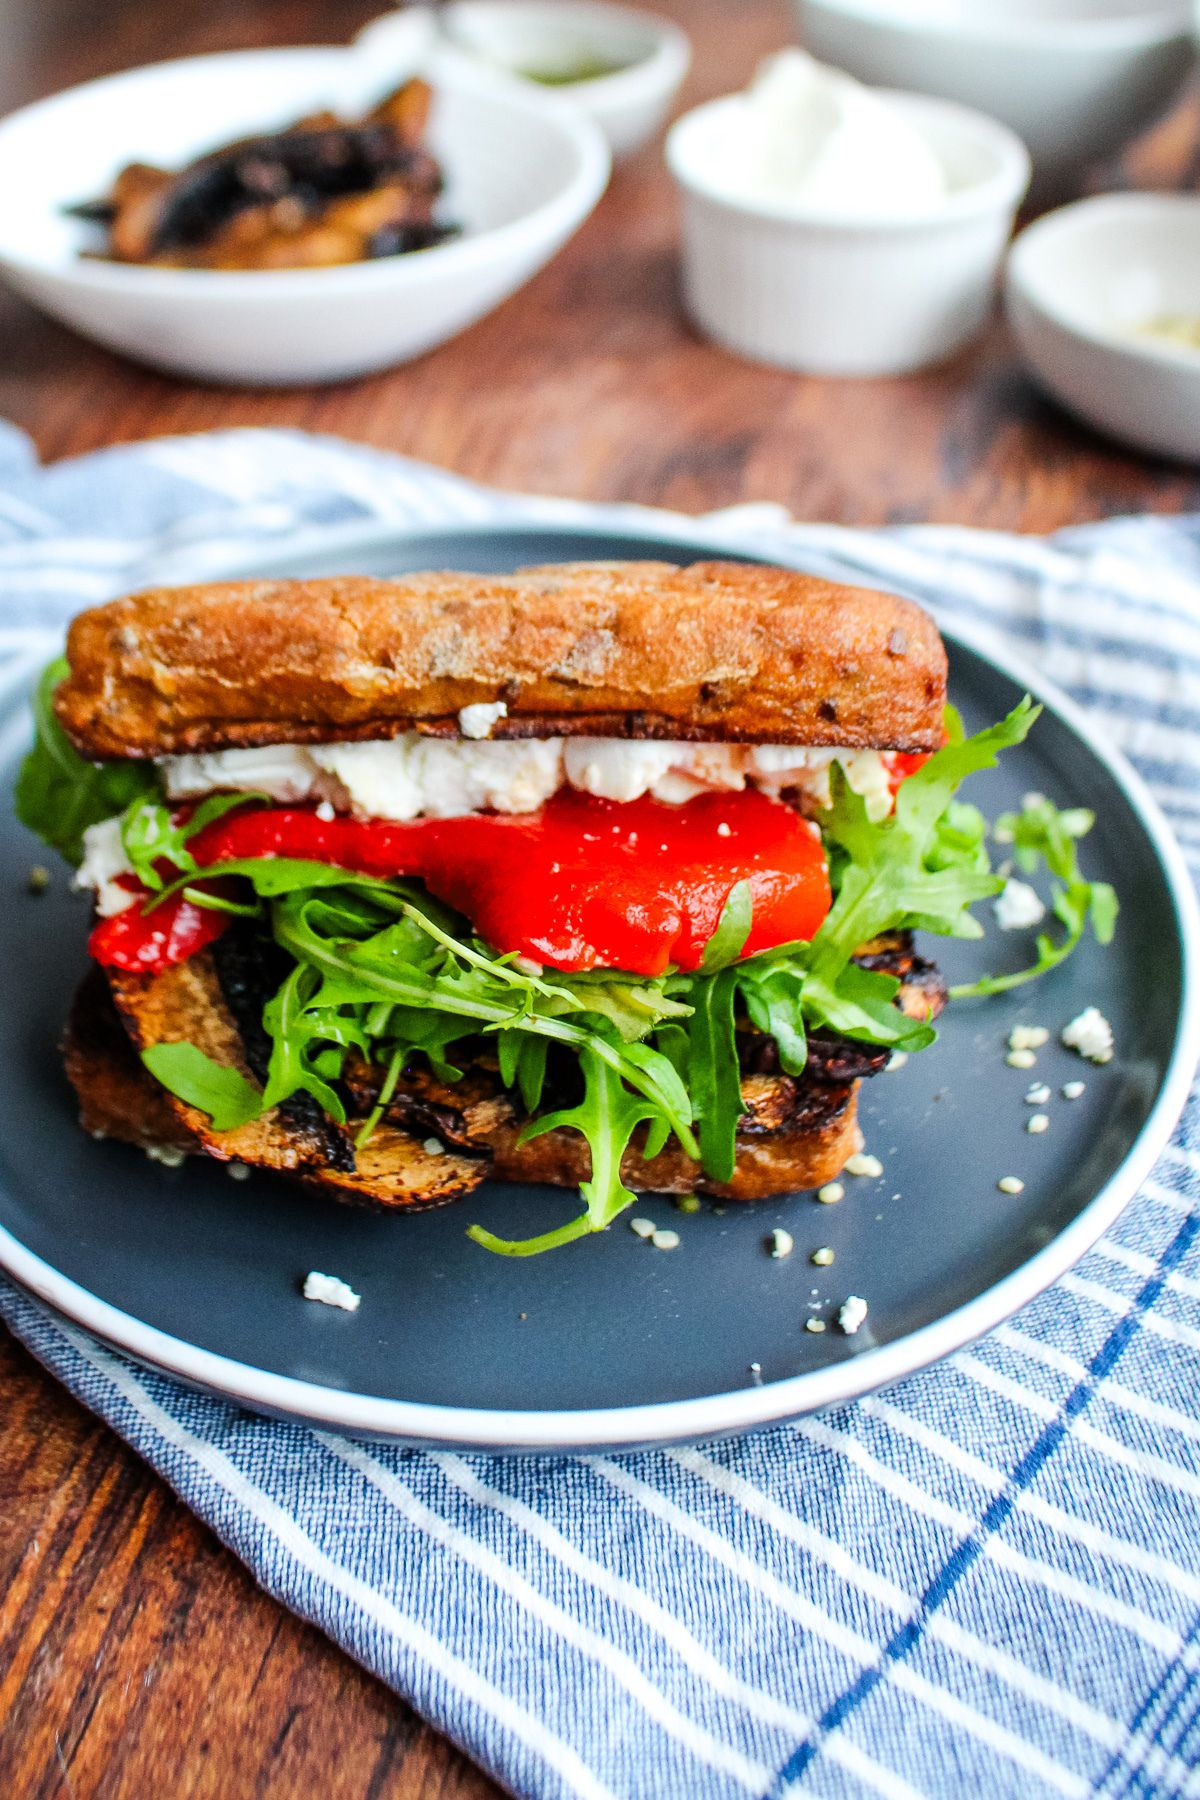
507 36
1075 79
865 296
523 171
1079 284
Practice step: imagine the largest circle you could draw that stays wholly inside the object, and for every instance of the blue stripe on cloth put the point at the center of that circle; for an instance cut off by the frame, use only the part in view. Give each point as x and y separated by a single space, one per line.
903 1642
987 1579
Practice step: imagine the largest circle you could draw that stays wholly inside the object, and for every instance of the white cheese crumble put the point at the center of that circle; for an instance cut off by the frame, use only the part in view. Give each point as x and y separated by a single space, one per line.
1073 1090
104 859
852 1314
1011 1184
477 721
1028 1037
814 1325
433 1146
831 1193
330 1291
780 1243
1018 906
665 1240
411 776
897 1060
862 1164
643 1228
1038 1094
1037 1124
237 1171
169 1155
822 1258
1020 1059
1090 1034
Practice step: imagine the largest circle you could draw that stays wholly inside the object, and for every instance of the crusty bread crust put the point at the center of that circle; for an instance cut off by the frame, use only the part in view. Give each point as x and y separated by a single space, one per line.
718 651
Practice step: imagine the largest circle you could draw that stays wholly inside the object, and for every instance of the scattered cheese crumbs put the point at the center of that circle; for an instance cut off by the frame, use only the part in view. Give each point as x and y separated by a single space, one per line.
1028 1037
1090 1034
780 1243
477 721
1038 1094
643 1228
331 1292
724 830
1040 1122
433 1147
1020 1059
1072 1090
99 1136
862 1164
39 879
325 811
169 1155
665 1240
1018 907
687 1203
1011 1184
756 1373
814 1324
897 1059
852 1314
831 1193
822 1258
237 1171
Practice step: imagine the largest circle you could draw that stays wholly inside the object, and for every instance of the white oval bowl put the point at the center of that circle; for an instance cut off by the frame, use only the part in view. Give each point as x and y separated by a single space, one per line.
1079 282
523 172
807 290
1075 79
506 36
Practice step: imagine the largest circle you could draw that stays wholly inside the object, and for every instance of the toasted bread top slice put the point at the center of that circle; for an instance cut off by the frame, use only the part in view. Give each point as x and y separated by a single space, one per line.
715 652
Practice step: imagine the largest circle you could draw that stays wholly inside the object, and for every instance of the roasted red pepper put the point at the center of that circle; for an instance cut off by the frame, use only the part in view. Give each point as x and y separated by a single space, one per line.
582 884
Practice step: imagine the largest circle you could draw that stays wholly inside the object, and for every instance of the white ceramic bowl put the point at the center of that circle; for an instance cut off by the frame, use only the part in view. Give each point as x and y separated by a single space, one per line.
874 296
1075 79
508 36
1081 281
523 171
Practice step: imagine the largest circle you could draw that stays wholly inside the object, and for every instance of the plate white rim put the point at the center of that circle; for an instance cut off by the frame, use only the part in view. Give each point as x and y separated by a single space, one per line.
737 1410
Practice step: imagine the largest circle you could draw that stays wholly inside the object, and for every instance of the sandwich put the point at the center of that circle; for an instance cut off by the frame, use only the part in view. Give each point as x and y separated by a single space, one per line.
595 876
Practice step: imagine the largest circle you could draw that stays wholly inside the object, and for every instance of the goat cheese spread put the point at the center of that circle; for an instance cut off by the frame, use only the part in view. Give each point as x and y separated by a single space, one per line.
412 776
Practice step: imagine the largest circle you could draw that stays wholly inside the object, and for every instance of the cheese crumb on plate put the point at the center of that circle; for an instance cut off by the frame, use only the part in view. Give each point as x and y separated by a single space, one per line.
330 1291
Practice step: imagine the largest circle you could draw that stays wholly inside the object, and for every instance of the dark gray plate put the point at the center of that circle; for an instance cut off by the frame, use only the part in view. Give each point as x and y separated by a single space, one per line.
610 1342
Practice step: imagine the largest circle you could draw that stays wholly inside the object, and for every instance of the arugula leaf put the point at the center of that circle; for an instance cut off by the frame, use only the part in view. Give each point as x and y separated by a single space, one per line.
150 835
714 1076
1041 833
58 793
608 1115
733 928
192 1076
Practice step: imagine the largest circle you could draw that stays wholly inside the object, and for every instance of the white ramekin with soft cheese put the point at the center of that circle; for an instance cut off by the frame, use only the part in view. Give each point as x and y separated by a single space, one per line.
800 283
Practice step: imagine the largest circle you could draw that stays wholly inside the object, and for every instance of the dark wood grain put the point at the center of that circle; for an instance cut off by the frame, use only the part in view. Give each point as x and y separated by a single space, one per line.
136 1657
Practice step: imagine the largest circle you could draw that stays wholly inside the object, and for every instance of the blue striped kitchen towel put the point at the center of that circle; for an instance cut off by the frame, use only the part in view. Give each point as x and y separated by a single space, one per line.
986 1580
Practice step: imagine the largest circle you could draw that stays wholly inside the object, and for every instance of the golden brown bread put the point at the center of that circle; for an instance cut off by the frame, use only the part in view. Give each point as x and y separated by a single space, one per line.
718 651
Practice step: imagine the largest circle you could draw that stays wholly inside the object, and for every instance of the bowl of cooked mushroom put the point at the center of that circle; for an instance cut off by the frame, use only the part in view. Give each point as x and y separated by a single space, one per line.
271 217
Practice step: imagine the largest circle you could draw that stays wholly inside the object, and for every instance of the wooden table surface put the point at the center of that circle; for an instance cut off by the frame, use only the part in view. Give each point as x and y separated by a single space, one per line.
136 1657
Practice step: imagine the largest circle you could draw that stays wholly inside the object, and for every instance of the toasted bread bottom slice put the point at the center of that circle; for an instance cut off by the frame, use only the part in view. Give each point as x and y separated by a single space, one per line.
118 1097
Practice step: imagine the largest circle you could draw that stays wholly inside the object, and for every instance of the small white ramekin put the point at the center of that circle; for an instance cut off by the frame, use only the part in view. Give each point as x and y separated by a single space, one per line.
650 55
808 290
1081 281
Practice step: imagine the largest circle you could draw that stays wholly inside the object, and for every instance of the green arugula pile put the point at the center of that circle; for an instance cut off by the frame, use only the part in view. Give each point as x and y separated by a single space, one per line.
381 970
